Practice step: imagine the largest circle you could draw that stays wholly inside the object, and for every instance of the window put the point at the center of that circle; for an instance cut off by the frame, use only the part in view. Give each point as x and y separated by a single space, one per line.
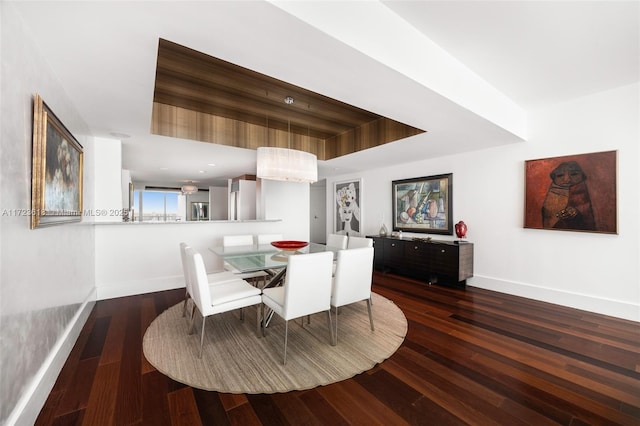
156 206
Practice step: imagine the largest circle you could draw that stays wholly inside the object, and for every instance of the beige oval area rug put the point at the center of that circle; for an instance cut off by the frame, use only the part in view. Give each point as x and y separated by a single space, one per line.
235 360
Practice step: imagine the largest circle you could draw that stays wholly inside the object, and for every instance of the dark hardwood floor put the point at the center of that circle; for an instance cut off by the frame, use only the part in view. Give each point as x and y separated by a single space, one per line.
470 357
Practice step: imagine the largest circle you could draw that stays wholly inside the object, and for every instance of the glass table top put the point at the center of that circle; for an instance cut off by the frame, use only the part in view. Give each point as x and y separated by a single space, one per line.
261 257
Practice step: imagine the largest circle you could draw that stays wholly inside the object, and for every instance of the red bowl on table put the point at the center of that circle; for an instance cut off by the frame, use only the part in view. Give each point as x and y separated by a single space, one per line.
289 245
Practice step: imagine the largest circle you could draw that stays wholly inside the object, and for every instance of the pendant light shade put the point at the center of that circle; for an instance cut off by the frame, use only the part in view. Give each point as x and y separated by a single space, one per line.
189 189
286 164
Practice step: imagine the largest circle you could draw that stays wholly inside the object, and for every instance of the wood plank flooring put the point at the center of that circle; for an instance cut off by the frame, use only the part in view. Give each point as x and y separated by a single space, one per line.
470 357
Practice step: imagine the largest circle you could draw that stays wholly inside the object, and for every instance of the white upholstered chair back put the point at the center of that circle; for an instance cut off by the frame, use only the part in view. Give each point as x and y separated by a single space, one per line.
237 240
352 281
224 297
307 290
200 286
357 242
187 276
185 267
307 284
337 241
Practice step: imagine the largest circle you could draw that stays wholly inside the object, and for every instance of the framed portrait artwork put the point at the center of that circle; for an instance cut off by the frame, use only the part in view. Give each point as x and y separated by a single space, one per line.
423 204
56 186
572 193
348 211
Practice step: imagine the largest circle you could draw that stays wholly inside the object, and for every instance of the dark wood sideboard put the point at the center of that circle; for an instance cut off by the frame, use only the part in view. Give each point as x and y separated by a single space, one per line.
435 262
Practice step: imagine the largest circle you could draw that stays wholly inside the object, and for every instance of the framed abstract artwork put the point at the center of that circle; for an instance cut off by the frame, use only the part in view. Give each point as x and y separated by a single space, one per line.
423 204
572 193
348 207
56 181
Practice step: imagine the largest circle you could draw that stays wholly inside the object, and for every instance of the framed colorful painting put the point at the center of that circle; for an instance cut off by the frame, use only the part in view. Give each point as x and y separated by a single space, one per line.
423 204
572 193
348 207
56 182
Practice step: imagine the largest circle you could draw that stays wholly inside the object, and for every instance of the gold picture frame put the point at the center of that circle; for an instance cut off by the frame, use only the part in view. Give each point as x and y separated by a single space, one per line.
57 162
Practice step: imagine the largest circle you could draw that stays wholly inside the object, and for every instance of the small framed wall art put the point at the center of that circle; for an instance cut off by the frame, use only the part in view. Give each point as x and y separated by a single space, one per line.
348 207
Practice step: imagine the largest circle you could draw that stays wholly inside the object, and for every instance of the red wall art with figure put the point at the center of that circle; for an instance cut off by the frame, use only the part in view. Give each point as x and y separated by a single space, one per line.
572 193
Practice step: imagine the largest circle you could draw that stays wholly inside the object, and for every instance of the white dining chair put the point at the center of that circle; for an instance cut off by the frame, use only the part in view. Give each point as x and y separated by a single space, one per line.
237 240
243 240
213 277
216 299
306 291
337 241
352 281
358 242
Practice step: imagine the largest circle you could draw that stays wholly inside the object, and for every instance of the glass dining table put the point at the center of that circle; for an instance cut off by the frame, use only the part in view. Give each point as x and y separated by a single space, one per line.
265 257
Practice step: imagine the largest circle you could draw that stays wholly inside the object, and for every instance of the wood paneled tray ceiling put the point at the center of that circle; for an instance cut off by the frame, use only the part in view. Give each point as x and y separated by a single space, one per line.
207 99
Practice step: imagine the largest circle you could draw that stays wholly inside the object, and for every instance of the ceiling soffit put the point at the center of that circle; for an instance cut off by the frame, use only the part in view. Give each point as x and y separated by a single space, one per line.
203 98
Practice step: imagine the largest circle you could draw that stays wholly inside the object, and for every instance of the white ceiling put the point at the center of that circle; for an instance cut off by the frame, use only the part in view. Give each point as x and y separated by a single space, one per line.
534 52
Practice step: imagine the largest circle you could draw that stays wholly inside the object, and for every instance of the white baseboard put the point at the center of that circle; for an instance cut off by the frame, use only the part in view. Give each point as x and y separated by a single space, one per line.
133 287
614 308
32 400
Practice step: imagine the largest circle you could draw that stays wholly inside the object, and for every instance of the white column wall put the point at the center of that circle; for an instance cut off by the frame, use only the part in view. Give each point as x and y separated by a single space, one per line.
108 172
218 203
46 274
594 272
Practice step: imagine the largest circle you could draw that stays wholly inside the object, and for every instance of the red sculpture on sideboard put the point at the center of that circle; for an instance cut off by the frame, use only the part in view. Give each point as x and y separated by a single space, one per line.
461 229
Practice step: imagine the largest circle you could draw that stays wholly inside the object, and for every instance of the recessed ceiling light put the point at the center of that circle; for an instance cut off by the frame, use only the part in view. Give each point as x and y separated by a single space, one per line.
211 164
119 135
201 171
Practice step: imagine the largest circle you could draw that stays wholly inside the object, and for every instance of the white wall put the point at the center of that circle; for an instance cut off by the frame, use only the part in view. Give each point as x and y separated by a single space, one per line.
290 202
594 272
246 200
218 203
47 274
108 181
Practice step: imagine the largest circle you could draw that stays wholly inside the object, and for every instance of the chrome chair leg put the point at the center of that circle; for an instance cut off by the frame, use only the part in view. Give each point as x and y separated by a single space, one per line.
335 342
286 334
258 322
370 314
202 336
333 338
192 322
184 306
